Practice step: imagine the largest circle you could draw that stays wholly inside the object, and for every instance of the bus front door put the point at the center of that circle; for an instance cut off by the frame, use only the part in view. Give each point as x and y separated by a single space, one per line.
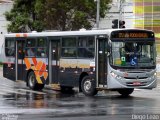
101 67
20 68
54 62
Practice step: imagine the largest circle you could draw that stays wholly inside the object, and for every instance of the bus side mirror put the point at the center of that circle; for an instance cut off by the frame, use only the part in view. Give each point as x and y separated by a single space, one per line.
108 50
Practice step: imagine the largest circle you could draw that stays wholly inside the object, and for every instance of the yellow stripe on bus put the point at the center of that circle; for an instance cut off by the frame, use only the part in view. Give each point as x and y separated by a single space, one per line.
39 79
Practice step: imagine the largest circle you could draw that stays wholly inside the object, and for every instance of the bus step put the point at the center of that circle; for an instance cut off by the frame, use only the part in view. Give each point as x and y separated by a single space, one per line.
102 87
55 86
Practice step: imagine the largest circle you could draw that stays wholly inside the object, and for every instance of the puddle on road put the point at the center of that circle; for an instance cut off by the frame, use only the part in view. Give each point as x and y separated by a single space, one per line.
35 99
73 104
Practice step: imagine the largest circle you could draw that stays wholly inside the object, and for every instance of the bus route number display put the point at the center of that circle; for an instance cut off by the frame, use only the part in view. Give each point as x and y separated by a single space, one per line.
132 35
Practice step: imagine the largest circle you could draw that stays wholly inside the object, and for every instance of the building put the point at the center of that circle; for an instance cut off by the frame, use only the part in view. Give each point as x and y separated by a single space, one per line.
147 16
5 5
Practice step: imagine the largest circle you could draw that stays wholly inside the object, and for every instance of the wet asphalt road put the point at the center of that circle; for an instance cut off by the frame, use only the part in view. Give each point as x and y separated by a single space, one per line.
17 102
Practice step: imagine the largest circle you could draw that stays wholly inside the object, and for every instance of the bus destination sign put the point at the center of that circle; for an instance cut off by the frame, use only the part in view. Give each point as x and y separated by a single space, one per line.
132 34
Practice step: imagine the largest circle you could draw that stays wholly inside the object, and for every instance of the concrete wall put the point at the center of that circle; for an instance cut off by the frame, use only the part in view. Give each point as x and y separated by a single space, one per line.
3 23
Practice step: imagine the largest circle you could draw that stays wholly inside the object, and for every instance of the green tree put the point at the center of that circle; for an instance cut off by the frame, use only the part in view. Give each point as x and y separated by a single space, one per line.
23 17
29 15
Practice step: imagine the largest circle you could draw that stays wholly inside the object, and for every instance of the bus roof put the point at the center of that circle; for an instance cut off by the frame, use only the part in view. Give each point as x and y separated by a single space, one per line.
67 33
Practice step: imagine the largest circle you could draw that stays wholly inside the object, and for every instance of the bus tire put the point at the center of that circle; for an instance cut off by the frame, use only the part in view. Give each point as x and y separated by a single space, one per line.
126 92
88 86
32 83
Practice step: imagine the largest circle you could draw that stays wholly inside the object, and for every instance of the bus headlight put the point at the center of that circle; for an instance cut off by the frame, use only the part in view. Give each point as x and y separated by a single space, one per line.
153 76
115 76
118 77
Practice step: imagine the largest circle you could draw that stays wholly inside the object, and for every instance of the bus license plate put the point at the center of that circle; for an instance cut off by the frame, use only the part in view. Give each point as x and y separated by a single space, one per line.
136 83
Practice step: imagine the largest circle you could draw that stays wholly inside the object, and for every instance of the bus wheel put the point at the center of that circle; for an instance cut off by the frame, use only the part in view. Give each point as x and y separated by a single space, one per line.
32 83
126 92
88 86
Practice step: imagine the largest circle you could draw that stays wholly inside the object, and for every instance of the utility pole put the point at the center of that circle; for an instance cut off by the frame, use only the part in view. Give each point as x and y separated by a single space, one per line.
121 10
98 12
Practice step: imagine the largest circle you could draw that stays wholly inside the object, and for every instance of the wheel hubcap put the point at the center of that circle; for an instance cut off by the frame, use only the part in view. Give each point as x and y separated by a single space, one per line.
31 80
87 85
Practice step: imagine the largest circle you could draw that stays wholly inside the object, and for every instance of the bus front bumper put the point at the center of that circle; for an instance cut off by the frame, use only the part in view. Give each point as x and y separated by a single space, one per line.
120 82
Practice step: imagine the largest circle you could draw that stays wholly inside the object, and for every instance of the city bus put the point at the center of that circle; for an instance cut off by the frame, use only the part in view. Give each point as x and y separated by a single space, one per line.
90 60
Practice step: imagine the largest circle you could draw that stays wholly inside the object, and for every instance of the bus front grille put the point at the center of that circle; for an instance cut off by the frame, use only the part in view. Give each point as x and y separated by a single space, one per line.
136 83
135 77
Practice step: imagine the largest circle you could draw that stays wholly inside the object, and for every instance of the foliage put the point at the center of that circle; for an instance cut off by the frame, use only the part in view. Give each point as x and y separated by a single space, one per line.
29 15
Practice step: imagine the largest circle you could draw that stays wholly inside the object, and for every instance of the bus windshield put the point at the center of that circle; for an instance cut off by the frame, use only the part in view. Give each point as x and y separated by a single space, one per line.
133 54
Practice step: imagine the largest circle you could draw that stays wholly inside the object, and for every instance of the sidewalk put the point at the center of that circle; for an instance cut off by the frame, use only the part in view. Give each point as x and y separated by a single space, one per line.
1 71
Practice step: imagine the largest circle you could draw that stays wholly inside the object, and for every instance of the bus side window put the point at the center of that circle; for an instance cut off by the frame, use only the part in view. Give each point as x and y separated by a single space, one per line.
86 47
30 50
41 52
9 47
41 47
20 51
85 52
69 47
69 52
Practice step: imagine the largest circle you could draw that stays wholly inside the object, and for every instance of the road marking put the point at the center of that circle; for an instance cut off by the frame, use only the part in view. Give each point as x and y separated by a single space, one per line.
158 86
7 85
31 91
2 93
12 91
18 91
